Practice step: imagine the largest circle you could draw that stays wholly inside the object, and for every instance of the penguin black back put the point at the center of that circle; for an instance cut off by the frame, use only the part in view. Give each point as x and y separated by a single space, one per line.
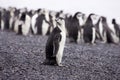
38 24
87 35
6 19
50 55
0 18
74 27
98 30
23 17
108 30
116 27
55 43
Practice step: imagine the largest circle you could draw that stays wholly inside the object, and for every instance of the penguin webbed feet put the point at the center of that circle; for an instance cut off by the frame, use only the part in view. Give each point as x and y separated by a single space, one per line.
49 62
93 43
52 63
60 65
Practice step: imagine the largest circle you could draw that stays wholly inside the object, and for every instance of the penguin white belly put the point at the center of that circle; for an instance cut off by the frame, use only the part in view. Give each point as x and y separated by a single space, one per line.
34 28
2 25
45 27
26 26
101 29
61 48
115 38
111 26
16 26
11 21
93 36
78 37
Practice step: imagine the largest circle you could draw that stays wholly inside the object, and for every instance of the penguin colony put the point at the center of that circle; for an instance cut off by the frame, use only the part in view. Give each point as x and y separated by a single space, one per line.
78 28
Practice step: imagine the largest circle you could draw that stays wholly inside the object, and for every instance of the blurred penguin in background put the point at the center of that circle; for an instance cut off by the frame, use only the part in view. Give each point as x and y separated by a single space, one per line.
41 23
110 34
34 20
116 28
53 23
2 19
74 28
12 17
24 23
101 30
89 32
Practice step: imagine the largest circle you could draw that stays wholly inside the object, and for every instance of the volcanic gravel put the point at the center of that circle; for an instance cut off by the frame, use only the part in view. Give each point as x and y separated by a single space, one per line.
21 58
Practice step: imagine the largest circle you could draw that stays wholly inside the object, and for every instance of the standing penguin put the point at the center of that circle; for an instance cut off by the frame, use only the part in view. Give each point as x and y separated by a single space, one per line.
16 20
12 15
110 34
24 24
68 18
34 20
101 30
89 28
1 19
52 16
42 22
116 27
6 16
55 44
74 28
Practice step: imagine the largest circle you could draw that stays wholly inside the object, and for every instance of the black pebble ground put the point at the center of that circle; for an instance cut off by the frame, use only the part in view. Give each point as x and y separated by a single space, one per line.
21 58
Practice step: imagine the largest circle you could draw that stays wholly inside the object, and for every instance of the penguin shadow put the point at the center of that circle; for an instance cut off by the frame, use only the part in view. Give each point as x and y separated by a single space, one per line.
89 44
52 64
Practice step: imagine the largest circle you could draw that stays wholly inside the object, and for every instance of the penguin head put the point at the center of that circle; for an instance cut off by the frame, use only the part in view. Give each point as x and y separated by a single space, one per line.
46 13
60 20
113 21
9 8
94 18
78 15
12 11
81 17
52 14
68 15
38 10
23 10
59 13
103 19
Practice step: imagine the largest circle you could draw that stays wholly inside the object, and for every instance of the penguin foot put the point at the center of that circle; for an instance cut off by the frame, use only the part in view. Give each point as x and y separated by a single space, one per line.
49 62
60 65
93 44
103 42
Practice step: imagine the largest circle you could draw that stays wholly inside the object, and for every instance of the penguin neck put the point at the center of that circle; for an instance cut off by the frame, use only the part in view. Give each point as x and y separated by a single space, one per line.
88 21
54 23
95 21
47 16
62 26
81 21
52 20
12 14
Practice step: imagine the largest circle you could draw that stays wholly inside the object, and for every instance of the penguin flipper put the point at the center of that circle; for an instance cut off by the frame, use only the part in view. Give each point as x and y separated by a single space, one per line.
56 41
